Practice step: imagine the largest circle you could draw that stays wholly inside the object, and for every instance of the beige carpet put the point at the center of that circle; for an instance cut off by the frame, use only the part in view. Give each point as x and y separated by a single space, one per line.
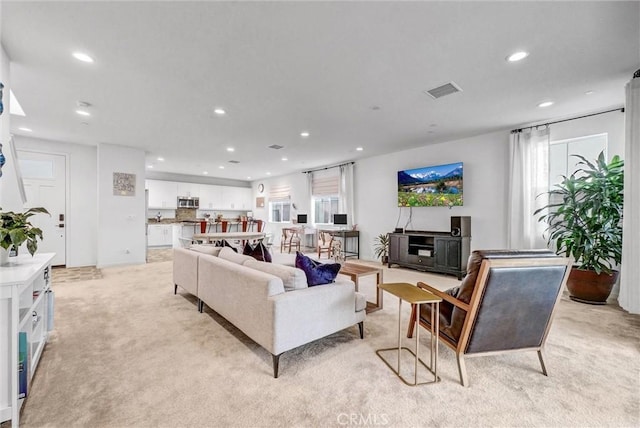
127 352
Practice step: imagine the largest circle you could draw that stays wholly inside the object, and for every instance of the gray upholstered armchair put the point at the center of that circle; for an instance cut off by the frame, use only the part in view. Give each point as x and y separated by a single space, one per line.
505 303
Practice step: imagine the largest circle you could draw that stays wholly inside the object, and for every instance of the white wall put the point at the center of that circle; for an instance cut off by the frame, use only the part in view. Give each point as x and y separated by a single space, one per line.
9 196
121 219
485 159
82 221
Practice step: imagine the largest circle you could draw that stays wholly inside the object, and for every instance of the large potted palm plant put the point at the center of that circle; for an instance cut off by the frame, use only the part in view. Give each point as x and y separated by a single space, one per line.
584 221
16 229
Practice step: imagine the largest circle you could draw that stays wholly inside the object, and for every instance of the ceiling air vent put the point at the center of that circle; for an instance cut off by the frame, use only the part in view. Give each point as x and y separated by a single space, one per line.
234 161
441 91
275 147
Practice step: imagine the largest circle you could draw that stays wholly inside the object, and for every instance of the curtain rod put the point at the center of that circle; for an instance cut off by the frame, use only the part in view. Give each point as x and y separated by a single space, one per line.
328 167
621 109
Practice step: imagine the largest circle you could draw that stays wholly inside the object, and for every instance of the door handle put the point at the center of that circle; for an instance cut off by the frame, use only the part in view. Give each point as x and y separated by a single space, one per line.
61 225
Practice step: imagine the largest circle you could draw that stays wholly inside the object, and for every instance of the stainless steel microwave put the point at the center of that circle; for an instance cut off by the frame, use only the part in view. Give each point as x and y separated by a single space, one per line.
188 202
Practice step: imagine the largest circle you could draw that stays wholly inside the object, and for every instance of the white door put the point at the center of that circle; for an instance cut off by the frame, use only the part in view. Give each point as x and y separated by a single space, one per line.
44 177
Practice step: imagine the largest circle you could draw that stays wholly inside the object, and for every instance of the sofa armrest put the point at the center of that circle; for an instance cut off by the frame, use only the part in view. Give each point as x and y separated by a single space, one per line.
444 296
304 315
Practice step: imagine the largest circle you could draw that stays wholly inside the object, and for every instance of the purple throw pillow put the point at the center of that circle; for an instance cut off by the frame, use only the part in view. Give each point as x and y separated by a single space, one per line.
259 252
317 273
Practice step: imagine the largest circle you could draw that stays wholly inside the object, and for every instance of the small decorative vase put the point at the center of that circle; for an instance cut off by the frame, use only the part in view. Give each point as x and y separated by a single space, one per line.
4 257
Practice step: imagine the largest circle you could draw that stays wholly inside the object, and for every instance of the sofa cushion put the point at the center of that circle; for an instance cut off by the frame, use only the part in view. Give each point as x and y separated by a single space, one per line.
259 252
292 278
206 249
229 254
317 273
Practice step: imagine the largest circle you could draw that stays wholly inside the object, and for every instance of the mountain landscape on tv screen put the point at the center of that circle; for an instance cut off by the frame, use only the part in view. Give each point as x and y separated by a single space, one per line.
433 186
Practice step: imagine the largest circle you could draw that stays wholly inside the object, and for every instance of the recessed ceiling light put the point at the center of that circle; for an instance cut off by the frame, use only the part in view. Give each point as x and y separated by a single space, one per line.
545 104
268 173
221 167
83 113
230 149
589 92
25 129
161 159
219 111
80 56
285 159
149 166
517 56
304 134
249 178
205 172
359 149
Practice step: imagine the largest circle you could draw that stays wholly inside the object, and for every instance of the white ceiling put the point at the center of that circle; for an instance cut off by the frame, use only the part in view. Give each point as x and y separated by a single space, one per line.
350 73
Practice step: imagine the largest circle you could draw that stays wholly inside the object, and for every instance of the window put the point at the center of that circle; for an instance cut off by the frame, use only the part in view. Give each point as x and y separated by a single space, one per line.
324 207
280 211
561 159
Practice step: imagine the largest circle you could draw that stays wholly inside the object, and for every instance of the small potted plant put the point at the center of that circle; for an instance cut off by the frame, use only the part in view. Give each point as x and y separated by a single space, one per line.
584 221
381 247
15 229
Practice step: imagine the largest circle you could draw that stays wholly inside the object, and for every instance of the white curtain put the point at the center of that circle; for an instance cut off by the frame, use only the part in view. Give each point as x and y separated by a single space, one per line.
310 193
528 182
629 297
345 201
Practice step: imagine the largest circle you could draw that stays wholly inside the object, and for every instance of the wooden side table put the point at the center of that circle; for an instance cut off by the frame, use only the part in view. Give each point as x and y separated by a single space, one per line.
415 296
355 271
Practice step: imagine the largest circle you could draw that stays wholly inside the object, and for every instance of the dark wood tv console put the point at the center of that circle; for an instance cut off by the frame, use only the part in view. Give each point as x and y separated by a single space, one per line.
430 251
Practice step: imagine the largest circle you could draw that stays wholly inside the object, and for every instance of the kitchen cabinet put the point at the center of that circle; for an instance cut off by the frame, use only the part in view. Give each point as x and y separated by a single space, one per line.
210 197
191 190
159 235
236 198
162 194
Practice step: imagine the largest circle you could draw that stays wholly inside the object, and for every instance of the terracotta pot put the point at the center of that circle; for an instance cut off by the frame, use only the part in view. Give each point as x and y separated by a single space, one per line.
586 286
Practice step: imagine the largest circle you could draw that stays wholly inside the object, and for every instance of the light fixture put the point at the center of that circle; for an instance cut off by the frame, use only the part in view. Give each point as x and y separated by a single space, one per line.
268 173
150 166
83 113
359 149
205 172
230 149
14 106
221 167
249 178
517 56
219 111
80 56
589 92
285 159
304 134
25 129
161 159
545 104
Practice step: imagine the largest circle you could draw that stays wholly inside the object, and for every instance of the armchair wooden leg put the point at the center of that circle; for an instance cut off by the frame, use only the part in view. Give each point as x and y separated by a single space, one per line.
544 368
200 305
175 288
462 370
412 322
276 361
361 328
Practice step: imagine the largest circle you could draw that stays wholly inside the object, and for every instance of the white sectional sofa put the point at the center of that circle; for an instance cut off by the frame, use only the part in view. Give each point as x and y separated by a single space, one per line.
270 303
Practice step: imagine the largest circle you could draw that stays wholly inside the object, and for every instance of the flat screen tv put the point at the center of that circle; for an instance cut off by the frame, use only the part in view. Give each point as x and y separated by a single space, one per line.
339 219
431 186
302 219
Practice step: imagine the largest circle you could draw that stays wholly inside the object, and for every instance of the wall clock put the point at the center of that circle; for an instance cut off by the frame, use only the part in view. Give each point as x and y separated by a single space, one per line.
260 188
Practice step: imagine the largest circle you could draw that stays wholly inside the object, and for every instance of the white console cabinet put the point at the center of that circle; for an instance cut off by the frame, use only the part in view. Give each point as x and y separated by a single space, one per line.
26 309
